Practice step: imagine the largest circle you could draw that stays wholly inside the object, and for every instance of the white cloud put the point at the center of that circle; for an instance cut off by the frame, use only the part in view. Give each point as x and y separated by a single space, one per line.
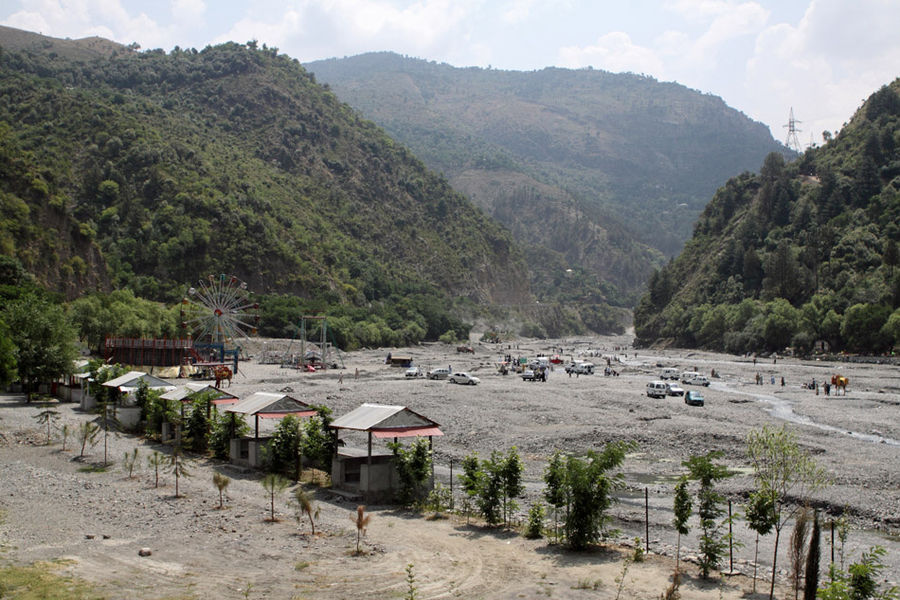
188 11
613 52
320 29
825 66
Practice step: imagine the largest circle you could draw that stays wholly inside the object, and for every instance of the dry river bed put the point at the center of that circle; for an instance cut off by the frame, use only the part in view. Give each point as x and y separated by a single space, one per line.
96 522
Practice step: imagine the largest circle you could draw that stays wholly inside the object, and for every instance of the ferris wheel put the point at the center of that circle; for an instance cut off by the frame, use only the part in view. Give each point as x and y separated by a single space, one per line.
219 309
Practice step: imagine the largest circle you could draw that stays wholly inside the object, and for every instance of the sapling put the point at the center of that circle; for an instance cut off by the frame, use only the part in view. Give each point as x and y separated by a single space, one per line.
156 460
274 484
361 520
47 417
305 506
87 435
129 462
682 509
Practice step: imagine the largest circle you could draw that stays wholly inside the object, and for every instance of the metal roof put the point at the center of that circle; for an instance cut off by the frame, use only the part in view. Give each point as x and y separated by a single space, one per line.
370 417
132 378
187 390
263 403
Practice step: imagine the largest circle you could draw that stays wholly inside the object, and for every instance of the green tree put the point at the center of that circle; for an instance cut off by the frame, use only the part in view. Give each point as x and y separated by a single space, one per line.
223 428
274 484
178 467
8 371
891 256
760 519
589 486
555 490
682 507
862 328
44 340
534 529
283 450
317 444
786 473
413 469
156 460
511 469
87 435
198 425
861 580
704 470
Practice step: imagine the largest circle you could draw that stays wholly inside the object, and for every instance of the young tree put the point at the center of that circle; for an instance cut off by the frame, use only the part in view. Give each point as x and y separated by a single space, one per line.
87 435
704 470
470 479
413 468
221 482
274 484
761 519
198 425
785 471
361 520
47 417
861 583
555 490
156 460
589 487
511 469
682 508
178 467
283 451
65 431
129 462
535 527
305 507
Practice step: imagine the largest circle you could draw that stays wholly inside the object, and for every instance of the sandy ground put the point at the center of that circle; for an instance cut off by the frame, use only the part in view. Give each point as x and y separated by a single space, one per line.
98 521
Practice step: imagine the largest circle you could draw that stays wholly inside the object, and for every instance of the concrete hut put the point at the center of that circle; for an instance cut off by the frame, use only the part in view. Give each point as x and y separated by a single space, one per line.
266 405
125 386
372 473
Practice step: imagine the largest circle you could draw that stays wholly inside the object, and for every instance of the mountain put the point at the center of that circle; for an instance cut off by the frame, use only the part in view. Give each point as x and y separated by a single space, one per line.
801 254
149 171
595 171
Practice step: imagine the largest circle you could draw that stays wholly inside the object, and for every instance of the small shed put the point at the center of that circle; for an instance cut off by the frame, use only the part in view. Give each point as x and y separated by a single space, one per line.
125 386
266 405
369 472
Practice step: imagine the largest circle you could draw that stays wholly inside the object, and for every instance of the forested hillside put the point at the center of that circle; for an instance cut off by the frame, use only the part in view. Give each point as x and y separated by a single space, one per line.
804 252
598 172
148 171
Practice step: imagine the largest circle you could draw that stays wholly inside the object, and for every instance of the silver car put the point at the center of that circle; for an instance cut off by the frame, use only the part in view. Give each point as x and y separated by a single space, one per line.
464 379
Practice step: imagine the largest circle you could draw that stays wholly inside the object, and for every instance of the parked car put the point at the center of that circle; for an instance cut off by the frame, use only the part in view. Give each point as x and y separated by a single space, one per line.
669 373
673 389
439 373
694 378
414 372
656 389
464 379
581 367
692 398
528 375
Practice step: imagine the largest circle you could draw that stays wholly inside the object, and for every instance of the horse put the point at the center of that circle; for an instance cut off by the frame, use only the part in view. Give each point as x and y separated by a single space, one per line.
840 383
222 372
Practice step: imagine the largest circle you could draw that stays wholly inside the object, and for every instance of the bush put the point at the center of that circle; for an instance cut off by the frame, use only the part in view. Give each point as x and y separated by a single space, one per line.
535 528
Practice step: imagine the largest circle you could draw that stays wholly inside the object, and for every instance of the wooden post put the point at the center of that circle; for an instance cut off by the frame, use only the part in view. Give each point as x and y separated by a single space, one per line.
451 483
730 542
369 467
832 542
647 520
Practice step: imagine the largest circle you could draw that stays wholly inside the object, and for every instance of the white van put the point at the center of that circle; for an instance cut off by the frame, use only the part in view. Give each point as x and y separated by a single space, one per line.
669 373
657 389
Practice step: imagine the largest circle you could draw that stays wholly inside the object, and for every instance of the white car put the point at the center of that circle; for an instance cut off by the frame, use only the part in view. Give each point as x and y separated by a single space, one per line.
414 372
464 379
673 389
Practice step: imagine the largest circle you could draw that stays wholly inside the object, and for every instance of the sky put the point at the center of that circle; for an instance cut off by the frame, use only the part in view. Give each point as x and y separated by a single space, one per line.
821 58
